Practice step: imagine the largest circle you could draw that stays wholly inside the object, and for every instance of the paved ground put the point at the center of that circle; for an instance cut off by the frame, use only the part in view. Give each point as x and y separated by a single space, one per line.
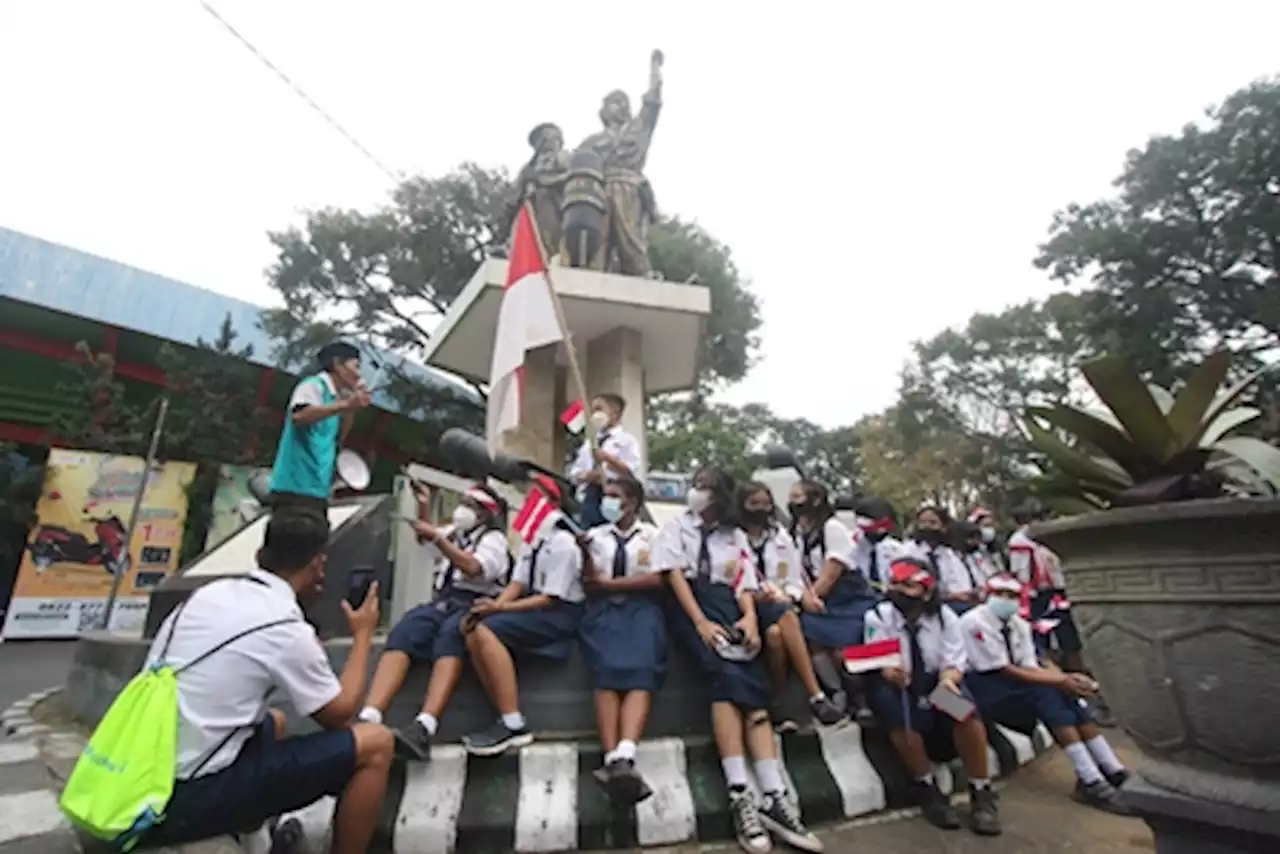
1039 818
30 666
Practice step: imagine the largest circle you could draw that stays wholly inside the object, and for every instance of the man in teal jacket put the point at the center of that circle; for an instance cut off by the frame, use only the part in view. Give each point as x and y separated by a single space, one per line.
321 411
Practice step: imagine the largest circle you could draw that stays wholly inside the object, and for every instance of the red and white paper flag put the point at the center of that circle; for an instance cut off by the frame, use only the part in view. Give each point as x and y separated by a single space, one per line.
877 655
527 320
538 511
574 418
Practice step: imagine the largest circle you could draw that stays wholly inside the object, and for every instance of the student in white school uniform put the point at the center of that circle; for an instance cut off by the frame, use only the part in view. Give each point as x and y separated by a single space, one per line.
782 588
617 454
709 566
930 543
623 635
1012 689
538 613
876 544
933 655
990 536
973 551
474 563
836 594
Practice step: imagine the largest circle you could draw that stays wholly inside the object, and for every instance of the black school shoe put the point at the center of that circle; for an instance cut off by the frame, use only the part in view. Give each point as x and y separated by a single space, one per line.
825 712
288 838
1100 795
1117 779
413 742
782 722
622 782
496 740
984 814
782 820
935 806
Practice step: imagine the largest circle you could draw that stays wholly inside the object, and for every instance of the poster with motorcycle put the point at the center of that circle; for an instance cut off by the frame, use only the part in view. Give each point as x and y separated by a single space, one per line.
78 543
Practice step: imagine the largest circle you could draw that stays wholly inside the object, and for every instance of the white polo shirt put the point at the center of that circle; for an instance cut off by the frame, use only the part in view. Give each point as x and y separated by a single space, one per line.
558 571
226 694
489 546
777 561
614 441
834 543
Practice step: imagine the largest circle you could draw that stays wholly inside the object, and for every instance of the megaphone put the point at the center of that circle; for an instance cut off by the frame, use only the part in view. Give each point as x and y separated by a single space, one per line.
351 471
781 457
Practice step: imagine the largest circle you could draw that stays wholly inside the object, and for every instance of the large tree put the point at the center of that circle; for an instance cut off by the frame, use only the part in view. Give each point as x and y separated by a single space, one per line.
385 277
1186 254
682 440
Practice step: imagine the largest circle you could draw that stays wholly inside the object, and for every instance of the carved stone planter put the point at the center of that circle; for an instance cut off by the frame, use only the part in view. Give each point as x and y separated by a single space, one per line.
1179 607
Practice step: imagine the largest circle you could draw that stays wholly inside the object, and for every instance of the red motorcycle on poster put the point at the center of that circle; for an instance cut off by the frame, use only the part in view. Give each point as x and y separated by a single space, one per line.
54 544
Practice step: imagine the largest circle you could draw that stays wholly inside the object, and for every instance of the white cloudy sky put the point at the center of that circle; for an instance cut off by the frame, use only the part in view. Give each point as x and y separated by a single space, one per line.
881 170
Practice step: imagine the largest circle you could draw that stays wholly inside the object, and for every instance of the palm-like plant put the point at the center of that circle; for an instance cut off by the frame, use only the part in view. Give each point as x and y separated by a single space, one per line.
1148 446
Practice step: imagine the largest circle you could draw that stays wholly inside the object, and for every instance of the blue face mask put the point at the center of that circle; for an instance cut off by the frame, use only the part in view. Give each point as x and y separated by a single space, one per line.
611 508
1002 608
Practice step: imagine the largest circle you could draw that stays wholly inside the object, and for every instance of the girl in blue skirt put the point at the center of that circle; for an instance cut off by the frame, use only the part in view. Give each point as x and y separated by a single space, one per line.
782 586
837 594
708 563
623 635
473 563
538 612
931 543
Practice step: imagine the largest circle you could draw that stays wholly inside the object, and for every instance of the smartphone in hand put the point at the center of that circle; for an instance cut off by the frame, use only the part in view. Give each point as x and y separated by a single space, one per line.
358 584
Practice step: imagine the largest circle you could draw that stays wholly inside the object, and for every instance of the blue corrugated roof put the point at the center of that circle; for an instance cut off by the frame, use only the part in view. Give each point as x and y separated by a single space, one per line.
73 282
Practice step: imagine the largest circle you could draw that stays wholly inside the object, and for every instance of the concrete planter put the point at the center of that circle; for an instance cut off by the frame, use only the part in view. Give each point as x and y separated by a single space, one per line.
1179 607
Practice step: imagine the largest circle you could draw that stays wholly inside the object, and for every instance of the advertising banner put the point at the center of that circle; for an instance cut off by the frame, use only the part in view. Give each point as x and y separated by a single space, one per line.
234 504
78 543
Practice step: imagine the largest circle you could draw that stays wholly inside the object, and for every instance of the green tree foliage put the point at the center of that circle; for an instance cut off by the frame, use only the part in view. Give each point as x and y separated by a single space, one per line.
105 423
732 437
20 485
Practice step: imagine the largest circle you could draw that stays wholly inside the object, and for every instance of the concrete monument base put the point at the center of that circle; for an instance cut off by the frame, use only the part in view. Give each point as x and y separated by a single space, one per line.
1183 824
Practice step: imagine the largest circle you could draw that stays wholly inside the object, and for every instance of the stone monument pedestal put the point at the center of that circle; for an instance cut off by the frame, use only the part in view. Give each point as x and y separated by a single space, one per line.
1183 824
634 337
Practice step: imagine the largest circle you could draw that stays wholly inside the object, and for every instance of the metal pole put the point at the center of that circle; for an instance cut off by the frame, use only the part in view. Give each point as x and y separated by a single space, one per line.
118 575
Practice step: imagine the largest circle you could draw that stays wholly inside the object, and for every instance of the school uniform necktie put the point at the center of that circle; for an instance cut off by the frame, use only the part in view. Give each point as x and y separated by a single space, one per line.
968 567
759 552
1007 631
451 571
704 555
873 571
932 557
918 669
620 553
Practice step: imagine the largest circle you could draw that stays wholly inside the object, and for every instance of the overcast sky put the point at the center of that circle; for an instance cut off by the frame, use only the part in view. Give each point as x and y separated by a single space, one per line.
881 171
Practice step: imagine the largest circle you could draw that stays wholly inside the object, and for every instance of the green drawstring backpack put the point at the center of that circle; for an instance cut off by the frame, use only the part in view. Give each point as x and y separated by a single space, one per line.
124 778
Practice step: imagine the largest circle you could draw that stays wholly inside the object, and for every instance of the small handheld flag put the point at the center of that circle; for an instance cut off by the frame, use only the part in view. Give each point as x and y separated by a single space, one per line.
574 418
877 655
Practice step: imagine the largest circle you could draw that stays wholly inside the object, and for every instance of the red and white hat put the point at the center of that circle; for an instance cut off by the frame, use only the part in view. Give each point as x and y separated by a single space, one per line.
908 570
1004 583
484 498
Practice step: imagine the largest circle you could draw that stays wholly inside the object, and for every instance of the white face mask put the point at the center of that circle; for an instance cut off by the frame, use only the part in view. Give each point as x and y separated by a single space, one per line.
1002 608
988 534
611 508
698 499
464 518
599 420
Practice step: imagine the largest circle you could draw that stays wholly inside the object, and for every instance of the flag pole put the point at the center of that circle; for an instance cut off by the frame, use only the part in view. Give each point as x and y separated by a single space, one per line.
571 352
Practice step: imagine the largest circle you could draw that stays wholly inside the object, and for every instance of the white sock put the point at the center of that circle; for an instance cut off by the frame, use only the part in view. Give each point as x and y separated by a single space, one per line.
735 771
370 715
769 775
626 749
816 697
927 778
980 783
1086 768
611 757
1104 755
429 722
513 721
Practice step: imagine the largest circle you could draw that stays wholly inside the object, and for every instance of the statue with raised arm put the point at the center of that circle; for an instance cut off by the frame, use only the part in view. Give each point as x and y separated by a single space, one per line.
608 203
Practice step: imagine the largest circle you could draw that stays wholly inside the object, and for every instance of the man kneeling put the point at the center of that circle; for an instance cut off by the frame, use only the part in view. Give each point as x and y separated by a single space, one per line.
1012 689
233 642
899 697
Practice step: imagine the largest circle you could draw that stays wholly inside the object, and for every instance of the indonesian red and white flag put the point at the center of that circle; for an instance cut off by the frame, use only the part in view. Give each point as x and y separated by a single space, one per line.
527 320
877 655
539 511
574 418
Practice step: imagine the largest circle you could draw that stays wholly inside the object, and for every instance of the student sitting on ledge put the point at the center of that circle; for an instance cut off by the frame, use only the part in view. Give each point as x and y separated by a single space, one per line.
1014 690
474 563
537 613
